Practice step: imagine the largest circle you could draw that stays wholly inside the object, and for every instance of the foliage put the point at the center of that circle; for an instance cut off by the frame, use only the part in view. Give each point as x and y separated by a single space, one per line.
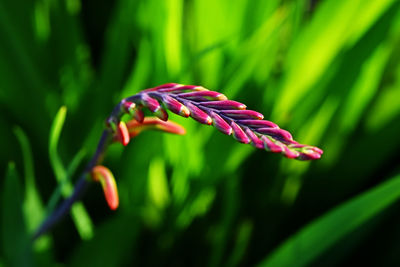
328 71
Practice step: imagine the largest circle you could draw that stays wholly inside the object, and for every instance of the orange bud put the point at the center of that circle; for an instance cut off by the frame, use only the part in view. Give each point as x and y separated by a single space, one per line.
103 175
122 133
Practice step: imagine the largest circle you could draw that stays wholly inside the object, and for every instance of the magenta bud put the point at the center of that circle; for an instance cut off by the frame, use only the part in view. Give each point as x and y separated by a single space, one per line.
220 123
149 102
317 150
279 133
255 141
311 152
203 96
291 154
167 85
163 87
225 104
128 107
175 106
239 134
198 114
178 88
269 145
243 114
309 156
258 123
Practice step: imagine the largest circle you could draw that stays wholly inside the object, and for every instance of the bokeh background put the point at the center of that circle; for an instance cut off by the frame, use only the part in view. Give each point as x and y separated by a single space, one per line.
328 71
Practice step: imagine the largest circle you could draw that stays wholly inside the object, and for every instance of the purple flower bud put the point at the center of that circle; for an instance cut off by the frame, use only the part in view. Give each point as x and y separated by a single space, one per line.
243 114
278 133
175 106
291 154
258 123
128 107
271 146
239 134
255 141
179 88
203 96
198 114
165 86
225 104
309 156
220 123
149 102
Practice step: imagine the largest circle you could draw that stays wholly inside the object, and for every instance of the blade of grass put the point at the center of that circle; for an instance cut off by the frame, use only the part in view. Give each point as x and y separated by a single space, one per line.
79 214
321 234
33 206
15 239
55 197
320 42
364 89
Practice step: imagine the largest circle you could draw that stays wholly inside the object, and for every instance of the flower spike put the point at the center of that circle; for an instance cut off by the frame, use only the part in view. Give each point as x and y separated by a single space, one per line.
228 116
205 106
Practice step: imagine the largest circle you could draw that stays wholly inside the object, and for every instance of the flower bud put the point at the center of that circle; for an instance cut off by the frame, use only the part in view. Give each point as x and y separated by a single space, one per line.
106 178
220 123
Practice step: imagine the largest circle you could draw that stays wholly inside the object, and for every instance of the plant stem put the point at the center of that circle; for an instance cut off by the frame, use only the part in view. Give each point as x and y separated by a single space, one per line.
80 186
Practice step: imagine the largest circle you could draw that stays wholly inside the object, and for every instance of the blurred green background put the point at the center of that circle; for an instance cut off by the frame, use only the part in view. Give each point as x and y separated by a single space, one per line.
328 71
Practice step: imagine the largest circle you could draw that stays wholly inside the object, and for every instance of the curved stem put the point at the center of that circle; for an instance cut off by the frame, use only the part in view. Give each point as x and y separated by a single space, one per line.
80 186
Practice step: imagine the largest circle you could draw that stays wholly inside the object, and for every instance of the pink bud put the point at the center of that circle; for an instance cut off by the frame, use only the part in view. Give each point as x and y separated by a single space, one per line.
243 114
220 123
128 107
175 106
291 154
203 96
178 88
225 104
255 141
258 123
198 114
162 87
149 102
239 134
271 146
279 133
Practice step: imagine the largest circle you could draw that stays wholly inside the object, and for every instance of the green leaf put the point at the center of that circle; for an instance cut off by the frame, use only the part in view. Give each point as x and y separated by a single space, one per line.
317 237
55 132
15 240
33 206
